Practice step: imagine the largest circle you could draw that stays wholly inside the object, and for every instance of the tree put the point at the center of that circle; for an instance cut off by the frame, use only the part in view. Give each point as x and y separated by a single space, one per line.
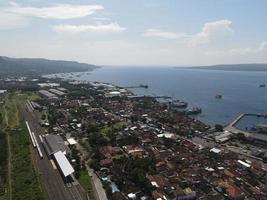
43 116
108 189
218 127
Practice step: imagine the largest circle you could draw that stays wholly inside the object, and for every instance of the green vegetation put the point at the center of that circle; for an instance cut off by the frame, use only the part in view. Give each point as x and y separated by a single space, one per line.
33 96
22 180
113 128
218 127
3 155
3 164
85 181
81 172
137 169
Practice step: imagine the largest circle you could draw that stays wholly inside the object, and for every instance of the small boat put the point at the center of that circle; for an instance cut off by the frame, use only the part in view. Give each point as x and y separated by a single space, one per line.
193 111
218 96
262 85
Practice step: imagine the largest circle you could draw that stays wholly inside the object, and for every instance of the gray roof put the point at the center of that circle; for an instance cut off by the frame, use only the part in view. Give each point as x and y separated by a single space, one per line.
55 143
47 94
57 92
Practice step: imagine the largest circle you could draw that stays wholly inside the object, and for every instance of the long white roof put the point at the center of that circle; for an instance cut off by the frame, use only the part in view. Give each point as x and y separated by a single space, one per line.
63 163
244 163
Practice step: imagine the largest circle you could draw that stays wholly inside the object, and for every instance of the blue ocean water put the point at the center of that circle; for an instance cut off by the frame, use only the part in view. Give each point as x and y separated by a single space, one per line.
240 90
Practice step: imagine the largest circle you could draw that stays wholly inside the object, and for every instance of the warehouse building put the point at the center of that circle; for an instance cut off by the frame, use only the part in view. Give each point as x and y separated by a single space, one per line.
47 94
55 143
57 92
57 150
64 166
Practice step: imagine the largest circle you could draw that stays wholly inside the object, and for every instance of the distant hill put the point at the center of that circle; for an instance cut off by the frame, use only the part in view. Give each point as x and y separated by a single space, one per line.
234 67
37 66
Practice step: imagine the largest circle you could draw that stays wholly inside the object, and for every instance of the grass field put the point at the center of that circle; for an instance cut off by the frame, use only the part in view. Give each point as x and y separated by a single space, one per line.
3 165
22 180
85 181
117 126
3 154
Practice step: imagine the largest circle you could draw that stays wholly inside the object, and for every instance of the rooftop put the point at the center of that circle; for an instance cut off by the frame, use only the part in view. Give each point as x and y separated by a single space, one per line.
63 163
55 143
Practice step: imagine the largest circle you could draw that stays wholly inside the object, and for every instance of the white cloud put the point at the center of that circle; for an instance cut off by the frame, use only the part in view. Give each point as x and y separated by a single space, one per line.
58 11
11 21
211 30
101 19
163 34
263 46
106 28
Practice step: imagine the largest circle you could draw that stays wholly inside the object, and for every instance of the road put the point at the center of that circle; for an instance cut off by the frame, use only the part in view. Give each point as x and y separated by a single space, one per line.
98 189
50 178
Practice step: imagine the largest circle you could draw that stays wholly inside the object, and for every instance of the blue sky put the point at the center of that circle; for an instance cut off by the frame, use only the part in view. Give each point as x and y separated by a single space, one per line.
136 32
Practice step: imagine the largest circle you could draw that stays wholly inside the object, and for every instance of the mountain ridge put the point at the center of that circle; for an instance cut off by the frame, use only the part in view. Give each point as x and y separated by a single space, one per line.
232 67
39 66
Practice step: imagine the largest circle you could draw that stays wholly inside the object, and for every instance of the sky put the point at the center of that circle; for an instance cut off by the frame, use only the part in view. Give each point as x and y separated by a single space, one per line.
136 32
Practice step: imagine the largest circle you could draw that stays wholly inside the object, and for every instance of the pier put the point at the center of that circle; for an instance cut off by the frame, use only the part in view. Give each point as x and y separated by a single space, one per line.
147 96
162 97
237 119
231 127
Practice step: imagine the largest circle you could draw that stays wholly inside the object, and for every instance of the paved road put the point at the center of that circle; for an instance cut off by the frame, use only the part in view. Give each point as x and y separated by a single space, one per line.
98 189
50 178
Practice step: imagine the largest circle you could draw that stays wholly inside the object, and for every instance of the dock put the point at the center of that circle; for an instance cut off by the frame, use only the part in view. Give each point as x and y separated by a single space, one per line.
231 127
162 97
148 96
237 119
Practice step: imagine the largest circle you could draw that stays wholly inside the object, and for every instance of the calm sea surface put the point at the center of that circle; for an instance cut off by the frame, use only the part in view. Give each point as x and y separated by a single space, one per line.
240 90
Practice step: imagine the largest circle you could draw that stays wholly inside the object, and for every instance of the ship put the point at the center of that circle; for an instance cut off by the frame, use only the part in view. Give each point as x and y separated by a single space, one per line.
143 86
262 85
218 96
193 111
179 104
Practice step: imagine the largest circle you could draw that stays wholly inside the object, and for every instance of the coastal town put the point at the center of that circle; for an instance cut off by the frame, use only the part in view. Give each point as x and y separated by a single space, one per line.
132 147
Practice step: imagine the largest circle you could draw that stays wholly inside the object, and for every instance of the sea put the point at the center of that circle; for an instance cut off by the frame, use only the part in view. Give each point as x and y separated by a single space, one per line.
239 89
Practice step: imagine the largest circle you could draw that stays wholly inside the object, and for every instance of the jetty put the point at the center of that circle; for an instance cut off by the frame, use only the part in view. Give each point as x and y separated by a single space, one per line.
238 119
148 96
161 97
231 127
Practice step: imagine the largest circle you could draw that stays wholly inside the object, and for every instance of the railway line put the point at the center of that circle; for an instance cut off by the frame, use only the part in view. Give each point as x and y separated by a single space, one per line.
52 181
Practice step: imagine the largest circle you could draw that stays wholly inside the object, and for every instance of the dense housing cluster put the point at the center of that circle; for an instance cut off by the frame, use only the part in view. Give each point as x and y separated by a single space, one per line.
141 149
